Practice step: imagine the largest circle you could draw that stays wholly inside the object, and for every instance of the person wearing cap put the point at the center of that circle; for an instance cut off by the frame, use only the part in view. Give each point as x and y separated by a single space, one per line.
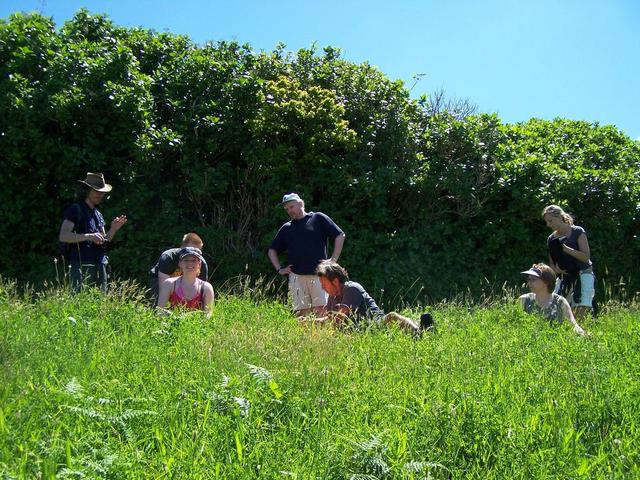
167 265
350 304
304 238
187 291
83 233
542 300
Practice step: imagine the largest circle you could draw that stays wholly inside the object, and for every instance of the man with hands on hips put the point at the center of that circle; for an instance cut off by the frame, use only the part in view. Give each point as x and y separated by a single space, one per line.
304 238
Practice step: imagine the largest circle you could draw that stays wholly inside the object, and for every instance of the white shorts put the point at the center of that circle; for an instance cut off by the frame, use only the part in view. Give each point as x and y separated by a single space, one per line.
306 292
587 289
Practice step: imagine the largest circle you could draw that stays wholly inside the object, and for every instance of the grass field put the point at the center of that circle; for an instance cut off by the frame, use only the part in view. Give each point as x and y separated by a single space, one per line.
97 386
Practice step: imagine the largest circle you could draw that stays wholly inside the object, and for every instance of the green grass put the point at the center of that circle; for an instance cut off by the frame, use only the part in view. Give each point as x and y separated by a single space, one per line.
99 386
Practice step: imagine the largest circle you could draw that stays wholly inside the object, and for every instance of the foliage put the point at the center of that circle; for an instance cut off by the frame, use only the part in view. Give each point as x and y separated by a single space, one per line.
95 386
208 138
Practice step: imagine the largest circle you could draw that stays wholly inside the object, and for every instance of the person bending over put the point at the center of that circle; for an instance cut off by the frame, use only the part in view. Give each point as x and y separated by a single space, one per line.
187 291
349 303
543 301
167 265
570 259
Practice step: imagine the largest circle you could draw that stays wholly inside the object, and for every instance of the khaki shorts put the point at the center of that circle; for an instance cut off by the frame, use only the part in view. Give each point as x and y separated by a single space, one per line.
306 291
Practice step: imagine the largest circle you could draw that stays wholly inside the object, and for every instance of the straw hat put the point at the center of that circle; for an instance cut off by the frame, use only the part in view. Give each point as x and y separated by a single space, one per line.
96 181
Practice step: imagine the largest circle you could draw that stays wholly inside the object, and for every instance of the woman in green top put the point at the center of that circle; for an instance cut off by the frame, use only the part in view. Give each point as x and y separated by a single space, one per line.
542 280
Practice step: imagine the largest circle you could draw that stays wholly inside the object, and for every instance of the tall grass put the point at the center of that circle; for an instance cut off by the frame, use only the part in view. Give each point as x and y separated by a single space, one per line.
98 386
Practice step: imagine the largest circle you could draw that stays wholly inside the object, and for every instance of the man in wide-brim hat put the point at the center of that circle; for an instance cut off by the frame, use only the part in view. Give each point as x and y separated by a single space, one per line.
96 182
83 233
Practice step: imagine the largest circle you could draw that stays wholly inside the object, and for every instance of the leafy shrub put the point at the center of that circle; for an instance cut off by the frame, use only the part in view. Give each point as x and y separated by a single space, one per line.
208 138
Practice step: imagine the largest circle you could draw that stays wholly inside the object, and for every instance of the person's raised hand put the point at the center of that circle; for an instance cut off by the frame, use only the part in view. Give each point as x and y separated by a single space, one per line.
118 222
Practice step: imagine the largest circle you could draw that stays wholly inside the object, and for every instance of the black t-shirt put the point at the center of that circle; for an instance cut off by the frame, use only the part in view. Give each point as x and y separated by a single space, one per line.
168 264
85 220
305 241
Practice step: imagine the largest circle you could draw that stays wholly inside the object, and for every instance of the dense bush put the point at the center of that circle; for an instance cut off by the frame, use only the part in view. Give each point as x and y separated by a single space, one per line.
208 138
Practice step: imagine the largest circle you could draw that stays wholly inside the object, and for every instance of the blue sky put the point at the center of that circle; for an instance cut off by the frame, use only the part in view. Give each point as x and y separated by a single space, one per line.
576 59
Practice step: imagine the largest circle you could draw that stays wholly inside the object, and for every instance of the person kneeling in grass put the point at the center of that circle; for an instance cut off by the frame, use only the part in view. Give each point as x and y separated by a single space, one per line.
542 280
349 303
187 291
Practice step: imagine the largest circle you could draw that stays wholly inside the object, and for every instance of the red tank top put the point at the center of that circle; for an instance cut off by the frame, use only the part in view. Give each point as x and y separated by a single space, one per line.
177 298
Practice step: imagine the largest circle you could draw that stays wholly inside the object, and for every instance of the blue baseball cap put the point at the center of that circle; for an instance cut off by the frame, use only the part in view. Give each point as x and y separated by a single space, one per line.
187 251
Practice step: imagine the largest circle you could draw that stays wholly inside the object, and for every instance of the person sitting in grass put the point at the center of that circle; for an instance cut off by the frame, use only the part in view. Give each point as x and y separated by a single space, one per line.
187 291
542 300
350 304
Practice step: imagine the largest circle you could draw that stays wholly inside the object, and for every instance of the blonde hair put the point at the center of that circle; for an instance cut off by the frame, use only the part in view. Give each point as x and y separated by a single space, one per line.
556 211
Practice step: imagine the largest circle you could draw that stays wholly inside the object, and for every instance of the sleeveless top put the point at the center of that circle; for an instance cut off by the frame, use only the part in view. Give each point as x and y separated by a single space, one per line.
177 298
552 312
564 260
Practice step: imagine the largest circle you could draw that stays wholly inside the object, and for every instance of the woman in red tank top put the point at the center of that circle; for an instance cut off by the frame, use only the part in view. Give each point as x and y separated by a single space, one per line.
187 290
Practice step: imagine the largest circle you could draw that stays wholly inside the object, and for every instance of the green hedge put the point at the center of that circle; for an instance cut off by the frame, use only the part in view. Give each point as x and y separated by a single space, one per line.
208 138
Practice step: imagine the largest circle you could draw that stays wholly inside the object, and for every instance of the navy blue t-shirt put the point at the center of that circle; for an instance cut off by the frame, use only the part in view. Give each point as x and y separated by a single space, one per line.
305 241
86 220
